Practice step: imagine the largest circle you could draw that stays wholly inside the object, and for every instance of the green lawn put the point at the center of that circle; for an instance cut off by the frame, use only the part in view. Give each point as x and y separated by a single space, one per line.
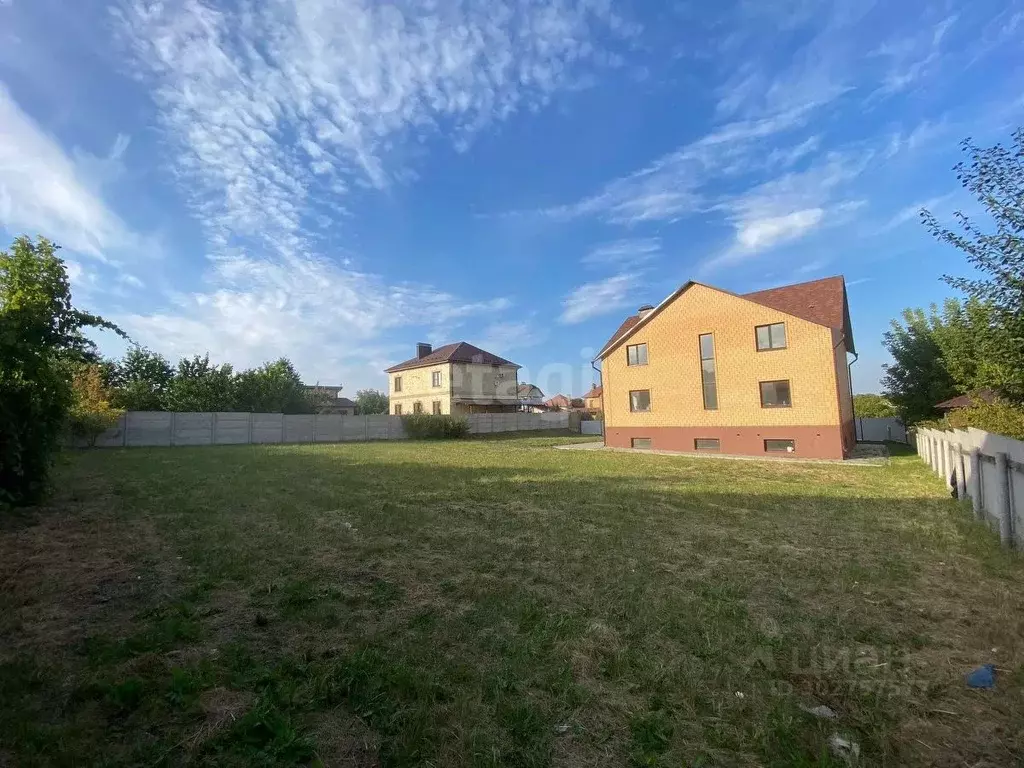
499 602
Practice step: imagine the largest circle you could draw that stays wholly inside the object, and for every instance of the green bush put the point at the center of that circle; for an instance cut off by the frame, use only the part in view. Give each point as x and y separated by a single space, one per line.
1000 418
426 426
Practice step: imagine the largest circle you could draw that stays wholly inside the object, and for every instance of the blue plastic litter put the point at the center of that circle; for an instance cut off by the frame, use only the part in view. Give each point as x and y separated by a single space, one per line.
982 677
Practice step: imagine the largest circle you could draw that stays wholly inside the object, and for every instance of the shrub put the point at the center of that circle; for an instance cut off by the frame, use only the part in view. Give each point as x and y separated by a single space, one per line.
1000 418
426 426
91 413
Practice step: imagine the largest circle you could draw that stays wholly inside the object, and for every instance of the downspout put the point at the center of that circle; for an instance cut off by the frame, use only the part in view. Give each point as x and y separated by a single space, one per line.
604 411
853 403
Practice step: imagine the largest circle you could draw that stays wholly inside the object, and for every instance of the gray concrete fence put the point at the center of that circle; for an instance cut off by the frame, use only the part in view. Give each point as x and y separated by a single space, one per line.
152 428
986 469
877 430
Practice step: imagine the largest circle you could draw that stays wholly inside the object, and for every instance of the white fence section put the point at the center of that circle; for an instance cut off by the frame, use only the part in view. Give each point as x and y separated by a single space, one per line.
985 468
874 430
149 428
594 427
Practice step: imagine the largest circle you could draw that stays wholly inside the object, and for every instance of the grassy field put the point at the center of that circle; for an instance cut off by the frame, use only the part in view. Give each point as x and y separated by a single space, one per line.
498 602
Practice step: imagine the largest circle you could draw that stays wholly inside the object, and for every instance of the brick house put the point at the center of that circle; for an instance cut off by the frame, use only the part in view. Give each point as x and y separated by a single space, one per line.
592 400
763 373
454 379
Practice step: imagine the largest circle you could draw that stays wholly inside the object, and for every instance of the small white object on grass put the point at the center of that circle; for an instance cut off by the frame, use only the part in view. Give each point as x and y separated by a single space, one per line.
820 711
845 749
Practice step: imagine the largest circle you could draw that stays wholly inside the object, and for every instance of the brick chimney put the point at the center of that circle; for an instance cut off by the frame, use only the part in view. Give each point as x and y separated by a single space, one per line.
422 350
645 310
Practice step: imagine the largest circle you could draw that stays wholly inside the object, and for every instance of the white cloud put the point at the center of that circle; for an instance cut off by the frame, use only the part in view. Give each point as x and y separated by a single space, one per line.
624 252
278 112
754 235
913 58
42 191
670 187
598 298
912 212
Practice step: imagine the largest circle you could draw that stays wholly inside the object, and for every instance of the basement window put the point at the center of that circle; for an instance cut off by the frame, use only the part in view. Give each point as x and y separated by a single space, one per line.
779 446
640 442
706 444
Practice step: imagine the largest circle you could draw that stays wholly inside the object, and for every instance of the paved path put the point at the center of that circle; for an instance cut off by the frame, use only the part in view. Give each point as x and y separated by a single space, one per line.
863 456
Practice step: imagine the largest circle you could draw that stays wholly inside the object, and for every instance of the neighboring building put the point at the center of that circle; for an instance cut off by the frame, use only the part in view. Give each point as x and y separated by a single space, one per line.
966 401
456 378
531 399
708 370
562 403
332 400
592 400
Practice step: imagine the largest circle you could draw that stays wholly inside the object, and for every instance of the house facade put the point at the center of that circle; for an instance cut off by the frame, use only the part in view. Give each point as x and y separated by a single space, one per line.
764 373
592 400
531 398
456 379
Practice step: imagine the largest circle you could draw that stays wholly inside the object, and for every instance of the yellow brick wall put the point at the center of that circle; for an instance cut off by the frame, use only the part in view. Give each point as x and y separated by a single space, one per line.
843 381
673 372
416 386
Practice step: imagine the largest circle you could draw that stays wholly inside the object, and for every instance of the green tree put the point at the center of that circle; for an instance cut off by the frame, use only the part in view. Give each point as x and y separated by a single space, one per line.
871 406
371 401
272 388
140 381
199 385
995 176
917 379
41 339
91 413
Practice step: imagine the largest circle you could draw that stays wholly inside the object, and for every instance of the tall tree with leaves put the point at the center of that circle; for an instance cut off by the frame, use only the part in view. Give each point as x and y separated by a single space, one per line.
140 381
272 388
199 385
371 401
917 379
995 176
41 341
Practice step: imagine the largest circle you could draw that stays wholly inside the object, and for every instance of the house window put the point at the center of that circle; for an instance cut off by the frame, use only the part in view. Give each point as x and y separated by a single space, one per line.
775 394
770 336
708 379
640 442
437 408
706 444
417 407
636 354
779 446
640 400
398 409
435 379
398 383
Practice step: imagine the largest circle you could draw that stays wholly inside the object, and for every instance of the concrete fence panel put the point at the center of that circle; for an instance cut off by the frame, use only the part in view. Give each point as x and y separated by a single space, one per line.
268 427
231 428
148 428
160 428
877 430
984 470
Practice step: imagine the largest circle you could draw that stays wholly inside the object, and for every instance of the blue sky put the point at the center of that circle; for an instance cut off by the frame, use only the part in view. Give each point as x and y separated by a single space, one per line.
334 180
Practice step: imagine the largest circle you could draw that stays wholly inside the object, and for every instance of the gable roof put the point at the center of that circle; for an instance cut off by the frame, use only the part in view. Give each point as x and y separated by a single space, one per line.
558 401
459 352
524 390
822 302
966 401
595 391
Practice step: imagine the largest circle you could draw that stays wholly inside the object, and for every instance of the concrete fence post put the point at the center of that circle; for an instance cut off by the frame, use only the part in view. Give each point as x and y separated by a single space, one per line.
961 478
213 437
951 482
976 470
249 429
174 427
1001 508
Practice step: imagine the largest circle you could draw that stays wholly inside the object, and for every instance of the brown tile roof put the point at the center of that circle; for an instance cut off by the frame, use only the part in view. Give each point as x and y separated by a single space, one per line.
819 301
459 352
595 391
627 324
966 401
558 401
